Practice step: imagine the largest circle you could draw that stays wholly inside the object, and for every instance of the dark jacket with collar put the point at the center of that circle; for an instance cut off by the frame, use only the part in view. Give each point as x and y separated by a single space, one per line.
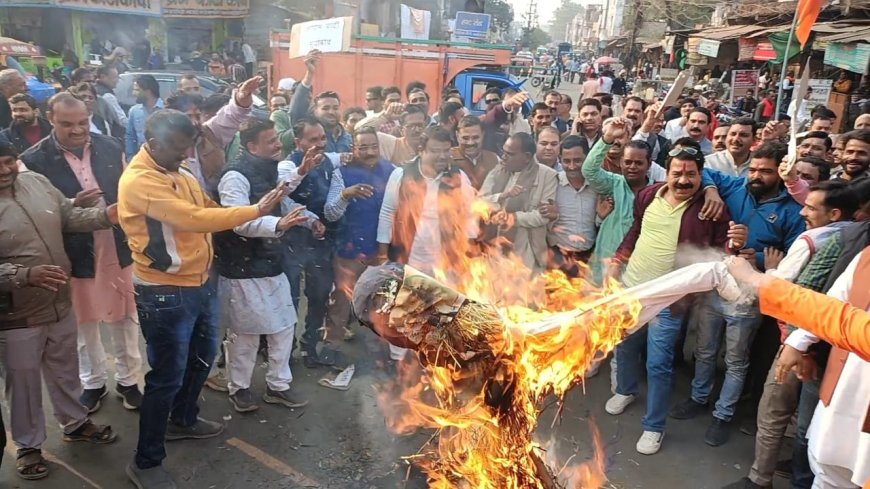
14 134
107 156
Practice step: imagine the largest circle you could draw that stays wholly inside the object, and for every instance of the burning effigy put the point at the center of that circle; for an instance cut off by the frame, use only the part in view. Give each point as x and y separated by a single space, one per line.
490 356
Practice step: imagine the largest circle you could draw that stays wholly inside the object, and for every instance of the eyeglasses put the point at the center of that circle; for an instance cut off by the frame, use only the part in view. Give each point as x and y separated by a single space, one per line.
493 101
683 150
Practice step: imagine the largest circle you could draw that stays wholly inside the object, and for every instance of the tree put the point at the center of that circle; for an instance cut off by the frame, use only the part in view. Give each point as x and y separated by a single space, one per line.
536 37
502 15
562 18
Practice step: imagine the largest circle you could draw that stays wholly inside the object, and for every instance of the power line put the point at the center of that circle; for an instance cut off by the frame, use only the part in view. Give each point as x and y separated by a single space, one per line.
532 15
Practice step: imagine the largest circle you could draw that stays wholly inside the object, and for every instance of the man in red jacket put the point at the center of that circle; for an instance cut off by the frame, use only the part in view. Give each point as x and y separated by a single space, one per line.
667 221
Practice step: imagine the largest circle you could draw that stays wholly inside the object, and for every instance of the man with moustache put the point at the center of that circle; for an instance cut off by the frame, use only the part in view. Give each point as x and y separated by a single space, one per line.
516 189
633 108
734 160
254 293
698 126
147 93
762 204
449 116
27 127
87 167
469 156
669 218
720 137
412 121
856 155
326 108
814 143
547 148
540 118
553 99
587 124
574 215
175 296
563 120
812 170
356 194
823 120
676 127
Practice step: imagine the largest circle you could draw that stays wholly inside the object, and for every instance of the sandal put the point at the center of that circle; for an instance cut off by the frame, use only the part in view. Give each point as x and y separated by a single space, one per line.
92 433
30 465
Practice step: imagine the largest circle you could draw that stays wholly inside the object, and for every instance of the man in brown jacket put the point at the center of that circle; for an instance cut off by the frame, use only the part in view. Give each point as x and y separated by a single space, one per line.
37 328
469 156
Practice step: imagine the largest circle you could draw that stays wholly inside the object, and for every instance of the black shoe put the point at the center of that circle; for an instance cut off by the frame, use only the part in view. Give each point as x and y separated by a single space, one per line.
717 433
688 409
90 398
745 483
130 396
783 469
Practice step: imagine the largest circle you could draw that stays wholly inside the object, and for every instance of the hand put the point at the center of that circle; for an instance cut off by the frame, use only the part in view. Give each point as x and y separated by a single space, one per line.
245 91
714 206
311 61
112 214
360 190
313 157
604 207
615 128
503 218
293 218
88 198
512 192
612 270
345 158
772 257
743 271
737 234
549 210
684 121
748 254
271 199
650 116
789 358
318 229
516 101
394 111
788 175
48 277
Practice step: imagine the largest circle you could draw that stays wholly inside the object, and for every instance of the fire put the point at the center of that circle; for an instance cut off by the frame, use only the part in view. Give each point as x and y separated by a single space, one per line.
485 414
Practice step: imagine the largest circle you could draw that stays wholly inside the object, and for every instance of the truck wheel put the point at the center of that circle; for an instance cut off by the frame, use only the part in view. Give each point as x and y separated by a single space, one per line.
536 82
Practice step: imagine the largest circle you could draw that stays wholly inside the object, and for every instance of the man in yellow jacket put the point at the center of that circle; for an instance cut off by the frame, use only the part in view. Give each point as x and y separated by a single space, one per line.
168 219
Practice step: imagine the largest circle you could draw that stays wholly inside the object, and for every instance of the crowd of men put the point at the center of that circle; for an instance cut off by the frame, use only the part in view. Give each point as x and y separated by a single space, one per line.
196 224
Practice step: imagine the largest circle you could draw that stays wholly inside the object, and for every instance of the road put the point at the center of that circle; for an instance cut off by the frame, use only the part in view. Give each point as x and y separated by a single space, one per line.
339 441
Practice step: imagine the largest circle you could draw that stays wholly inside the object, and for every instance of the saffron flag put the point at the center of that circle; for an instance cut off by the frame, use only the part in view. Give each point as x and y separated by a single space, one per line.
807 13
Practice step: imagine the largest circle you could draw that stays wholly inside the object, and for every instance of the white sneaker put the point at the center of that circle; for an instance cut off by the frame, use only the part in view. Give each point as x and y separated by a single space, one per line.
617 404
650 442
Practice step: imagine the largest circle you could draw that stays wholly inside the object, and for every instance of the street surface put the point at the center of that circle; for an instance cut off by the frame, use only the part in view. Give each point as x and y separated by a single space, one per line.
339 441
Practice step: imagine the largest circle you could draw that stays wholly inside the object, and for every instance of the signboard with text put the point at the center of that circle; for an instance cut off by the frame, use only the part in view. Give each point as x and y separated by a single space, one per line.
821 91
853 57
131 7
206 8
472 26
708 47
741 81
328 36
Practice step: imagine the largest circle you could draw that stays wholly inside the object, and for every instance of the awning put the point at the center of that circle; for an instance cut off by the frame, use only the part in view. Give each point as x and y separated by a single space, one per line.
729 32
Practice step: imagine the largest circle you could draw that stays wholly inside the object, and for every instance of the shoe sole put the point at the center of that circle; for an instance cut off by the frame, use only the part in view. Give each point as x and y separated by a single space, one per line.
135 480
216 388
127 406
242 409
99 403
277 400
91 440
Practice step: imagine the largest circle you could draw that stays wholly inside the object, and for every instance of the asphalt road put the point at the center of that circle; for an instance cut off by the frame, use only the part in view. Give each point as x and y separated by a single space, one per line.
340 441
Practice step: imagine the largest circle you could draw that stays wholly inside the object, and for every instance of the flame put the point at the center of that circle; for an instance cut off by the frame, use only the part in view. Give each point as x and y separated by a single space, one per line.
485 416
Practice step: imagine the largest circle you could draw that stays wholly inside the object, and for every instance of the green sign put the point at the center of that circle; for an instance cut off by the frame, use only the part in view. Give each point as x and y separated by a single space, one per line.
853 56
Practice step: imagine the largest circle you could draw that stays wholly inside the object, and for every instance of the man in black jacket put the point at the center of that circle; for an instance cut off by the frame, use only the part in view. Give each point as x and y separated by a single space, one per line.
27 127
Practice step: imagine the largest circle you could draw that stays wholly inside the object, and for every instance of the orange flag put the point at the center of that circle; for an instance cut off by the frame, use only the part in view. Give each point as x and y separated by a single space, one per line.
807 13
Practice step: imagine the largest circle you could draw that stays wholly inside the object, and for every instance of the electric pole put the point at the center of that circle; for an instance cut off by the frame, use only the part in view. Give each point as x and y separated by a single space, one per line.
531 18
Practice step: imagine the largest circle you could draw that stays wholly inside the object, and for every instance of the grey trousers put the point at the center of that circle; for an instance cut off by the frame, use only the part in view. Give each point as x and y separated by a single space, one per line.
30 354
777 406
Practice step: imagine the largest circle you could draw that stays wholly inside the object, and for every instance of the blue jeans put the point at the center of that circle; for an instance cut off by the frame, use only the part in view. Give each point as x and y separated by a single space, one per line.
740 326
180 325
661 339
801 475
313 259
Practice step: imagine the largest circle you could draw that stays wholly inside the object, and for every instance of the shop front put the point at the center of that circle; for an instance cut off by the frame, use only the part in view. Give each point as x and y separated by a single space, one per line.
194 25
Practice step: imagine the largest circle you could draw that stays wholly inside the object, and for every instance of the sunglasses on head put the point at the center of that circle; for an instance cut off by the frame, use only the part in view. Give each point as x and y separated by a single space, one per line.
683 150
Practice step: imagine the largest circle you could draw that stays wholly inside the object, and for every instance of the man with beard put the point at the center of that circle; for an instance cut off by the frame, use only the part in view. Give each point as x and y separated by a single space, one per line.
207 158
761 203
547 150
516 189
27 127
147 93
107 81
309 252
574 213
633 108
814 143
425 219
37 327
449 116
734 160
254 293
698 126
87 167
540 118
168 219
856 155
356 194
412 122
720 137
748 103
669 219
469 156
587 124
11 83
676 127
326 109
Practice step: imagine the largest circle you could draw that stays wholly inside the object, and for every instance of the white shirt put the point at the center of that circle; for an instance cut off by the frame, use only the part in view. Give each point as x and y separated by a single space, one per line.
675 130
606 84
425 252
249 53
724 162
801 114
575 228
